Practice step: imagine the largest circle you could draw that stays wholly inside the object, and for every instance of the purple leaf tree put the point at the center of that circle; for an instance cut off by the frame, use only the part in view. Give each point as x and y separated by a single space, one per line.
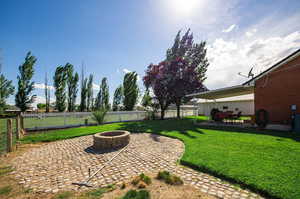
182 73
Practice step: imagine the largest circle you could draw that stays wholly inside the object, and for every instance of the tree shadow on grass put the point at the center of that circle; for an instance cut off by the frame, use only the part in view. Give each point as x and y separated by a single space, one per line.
162 127
250 130
253 130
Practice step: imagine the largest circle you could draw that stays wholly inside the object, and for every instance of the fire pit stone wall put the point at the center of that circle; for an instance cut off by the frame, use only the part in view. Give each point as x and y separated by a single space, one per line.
111 140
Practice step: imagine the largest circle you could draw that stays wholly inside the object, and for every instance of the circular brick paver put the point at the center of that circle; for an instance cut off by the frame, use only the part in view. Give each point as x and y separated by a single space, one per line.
57 165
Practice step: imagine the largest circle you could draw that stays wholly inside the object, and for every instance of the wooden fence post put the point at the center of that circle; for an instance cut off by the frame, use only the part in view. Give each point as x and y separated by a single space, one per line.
22 122
9 136
18 128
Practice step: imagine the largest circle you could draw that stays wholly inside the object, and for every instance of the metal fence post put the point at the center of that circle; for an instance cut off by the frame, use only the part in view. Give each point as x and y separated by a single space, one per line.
9 135
120 118
64 118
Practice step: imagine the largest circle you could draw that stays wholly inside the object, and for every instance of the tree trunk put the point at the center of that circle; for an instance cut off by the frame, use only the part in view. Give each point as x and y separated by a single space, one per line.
162 114
178 111
178 102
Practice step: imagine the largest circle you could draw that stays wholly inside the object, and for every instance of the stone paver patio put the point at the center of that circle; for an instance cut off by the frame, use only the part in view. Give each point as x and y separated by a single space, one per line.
55 166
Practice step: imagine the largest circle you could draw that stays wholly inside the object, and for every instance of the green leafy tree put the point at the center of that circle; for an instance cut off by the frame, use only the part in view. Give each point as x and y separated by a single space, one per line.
118 99
6 89
72 86
84 92
41 106
90 93
131 91
147 99
23 97
60 78
102 100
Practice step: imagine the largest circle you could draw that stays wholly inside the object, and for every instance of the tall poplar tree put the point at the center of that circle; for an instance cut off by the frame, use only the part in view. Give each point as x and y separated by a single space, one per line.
59 79
102 100
105 94
47 94
72 86
6 89
131 91
90 93
118 99
23 97
84 91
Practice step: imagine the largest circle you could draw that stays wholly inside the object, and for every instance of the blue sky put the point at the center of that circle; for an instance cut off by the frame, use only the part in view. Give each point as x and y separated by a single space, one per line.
111 37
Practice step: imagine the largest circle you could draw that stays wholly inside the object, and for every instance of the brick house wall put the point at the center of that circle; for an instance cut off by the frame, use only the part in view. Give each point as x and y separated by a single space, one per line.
278 90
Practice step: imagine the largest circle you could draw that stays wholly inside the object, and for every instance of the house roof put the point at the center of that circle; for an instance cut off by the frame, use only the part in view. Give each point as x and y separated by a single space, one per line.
224 92
277 65
240 98
245 88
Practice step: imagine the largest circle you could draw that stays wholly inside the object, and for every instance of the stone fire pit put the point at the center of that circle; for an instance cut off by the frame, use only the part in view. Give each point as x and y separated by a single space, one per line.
111 140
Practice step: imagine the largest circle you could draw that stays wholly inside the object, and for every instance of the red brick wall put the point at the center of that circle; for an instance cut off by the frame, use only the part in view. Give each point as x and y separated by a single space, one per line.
278 90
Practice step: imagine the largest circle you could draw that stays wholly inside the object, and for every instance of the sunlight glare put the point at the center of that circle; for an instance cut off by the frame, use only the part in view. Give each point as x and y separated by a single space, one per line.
184 7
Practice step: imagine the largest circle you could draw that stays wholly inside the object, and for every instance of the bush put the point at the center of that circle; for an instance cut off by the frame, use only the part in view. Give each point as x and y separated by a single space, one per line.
100 191
63 195
145 179
99 115
133 194
142 177
5 190
169 178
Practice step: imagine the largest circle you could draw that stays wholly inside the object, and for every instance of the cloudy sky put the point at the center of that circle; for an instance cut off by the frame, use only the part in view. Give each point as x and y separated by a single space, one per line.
111 38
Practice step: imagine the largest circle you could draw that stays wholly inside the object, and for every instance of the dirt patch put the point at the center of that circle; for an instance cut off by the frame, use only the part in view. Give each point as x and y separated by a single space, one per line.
160 190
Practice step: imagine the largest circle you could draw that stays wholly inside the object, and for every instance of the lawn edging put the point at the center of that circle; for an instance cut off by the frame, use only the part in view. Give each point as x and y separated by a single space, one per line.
230 180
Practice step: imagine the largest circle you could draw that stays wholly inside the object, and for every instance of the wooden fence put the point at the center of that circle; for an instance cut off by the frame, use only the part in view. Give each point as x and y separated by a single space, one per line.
11 130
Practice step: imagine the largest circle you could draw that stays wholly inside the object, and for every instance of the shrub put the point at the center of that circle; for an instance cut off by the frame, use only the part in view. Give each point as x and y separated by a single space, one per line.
123 186
63 195
97 193
136 180
169 178
142 177
5 170
5 190
145 179
133 194
99 115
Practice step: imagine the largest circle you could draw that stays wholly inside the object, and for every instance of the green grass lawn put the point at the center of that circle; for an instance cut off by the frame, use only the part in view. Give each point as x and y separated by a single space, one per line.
266 161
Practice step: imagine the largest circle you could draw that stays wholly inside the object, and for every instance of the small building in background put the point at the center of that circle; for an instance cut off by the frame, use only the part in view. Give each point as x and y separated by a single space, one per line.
243 104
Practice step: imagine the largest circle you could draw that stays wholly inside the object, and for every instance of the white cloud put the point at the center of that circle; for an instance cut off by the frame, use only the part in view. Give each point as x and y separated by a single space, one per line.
42 86
96 86
227 58
40 99
125 70
229 29
250 33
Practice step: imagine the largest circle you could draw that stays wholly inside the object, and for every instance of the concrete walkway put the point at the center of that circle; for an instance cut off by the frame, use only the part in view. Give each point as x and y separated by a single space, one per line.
55 166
